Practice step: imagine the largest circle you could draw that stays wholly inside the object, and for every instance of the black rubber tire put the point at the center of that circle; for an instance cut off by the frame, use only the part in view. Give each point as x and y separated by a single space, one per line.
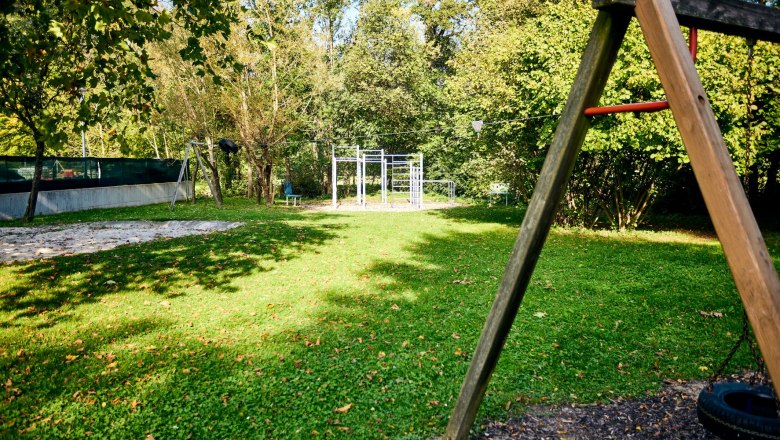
723 412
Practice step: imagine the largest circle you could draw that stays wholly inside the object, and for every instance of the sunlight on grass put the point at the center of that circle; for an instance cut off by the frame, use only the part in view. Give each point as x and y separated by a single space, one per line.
677 236
346 324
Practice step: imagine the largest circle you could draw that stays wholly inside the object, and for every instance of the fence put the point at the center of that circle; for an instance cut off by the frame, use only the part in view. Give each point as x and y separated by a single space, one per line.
72 173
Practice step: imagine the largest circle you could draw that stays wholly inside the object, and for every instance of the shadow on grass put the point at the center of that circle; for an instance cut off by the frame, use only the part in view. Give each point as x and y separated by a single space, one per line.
603 318
164 267
504 215
167 381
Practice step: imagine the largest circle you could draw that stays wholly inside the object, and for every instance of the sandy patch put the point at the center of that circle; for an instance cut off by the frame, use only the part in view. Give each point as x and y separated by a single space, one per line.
21 244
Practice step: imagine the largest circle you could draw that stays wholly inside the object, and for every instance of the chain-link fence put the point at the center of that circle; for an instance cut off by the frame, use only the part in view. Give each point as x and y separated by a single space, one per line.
16 172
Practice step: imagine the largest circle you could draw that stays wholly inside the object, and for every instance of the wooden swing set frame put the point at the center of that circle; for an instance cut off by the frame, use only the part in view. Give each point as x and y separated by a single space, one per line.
746 253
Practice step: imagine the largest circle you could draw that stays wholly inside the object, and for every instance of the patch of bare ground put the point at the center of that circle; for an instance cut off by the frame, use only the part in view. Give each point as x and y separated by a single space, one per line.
669 414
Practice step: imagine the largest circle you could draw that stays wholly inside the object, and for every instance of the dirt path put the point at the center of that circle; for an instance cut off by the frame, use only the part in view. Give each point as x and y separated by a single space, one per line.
21 244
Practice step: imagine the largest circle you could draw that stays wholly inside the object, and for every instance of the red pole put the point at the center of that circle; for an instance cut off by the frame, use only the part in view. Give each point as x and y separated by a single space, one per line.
645 106
623 108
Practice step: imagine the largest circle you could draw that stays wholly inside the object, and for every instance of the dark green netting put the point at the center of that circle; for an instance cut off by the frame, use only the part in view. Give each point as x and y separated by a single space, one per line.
68 172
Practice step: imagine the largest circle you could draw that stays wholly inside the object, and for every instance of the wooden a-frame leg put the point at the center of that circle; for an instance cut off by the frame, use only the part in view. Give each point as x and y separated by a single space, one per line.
597 61
744 247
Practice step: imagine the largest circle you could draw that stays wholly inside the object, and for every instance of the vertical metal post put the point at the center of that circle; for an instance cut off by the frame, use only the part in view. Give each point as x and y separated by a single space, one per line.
83 137
357 172
422 178
383 168
333 177
363 181
598 58
181 174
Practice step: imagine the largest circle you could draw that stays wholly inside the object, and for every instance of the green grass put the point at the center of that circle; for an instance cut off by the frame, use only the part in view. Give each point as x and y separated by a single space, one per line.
268 329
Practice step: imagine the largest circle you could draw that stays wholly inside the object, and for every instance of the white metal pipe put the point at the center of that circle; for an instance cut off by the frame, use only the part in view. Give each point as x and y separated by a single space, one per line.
334 177
365 196
422 177
357 174
383 172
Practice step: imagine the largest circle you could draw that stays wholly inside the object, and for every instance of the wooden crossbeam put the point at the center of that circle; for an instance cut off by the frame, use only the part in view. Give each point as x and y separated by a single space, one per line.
731 17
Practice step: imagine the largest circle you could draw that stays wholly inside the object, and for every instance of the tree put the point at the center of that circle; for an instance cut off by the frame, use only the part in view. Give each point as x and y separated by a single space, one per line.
191 100
388 84
520 68
57 55
268 90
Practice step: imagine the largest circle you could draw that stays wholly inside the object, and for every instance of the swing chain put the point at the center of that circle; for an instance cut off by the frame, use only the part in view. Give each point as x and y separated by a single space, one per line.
744 337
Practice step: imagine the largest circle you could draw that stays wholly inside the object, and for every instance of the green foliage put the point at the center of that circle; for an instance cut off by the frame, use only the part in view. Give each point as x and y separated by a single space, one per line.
49 50
388 84
513 69
13 140
405 76
301 322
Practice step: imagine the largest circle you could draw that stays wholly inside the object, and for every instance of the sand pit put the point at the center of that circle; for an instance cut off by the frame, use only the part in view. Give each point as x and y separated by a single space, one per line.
21 244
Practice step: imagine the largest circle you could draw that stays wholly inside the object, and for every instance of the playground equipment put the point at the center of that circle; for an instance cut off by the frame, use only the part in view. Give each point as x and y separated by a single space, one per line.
194 146
401 174
751 266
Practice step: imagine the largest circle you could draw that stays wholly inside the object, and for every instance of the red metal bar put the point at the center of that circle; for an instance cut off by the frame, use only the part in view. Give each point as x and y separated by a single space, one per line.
645 106
623 108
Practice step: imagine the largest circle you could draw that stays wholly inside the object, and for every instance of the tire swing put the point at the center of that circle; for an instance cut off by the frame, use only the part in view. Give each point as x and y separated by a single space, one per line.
738 410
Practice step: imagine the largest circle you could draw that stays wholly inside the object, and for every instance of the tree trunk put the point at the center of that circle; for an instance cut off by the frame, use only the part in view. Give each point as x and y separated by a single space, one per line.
29 213
212 164
165 143
154 144
269 185
102 141
194 175
250 181
287 169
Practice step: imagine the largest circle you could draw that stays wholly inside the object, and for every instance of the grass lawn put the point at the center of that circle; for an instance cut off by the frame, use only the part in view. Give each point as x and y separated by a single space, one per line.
360 324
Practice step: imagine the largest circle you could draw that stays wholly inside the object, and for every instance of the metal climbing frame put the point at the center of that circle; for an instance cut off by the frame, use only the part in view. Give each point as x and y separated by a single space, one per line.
405 173
347 154
406 178
450 188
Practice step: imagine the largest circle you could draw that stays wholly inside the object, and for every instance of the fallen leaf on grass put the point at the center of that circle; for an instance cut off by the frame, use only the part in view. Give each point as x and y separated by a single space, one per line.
540 314
463 281
343 409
